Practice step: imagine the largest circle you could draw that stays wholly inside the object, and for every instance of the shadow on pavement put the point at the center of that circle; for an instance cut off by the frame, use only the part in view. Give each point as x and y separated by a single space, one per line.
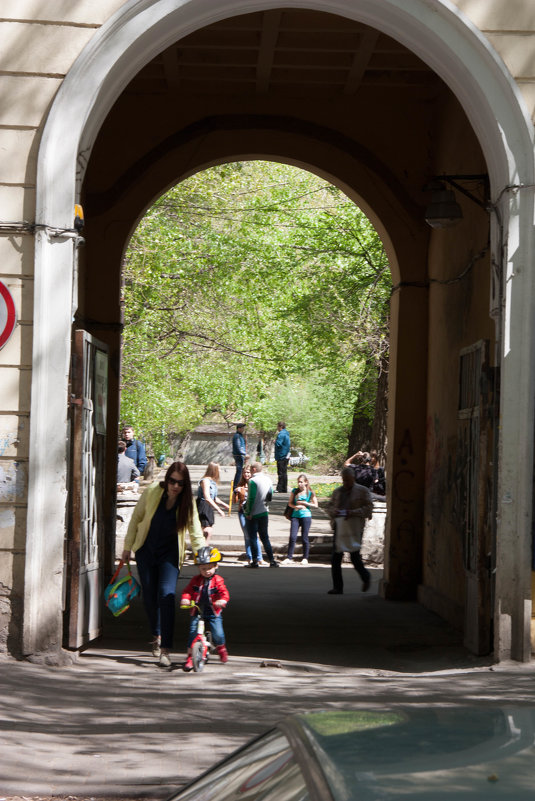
286 614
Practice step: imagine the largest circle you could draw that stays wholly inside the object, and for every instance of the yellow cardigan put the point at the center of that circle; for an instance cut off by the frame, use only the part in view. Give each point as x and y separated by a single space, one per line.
139 525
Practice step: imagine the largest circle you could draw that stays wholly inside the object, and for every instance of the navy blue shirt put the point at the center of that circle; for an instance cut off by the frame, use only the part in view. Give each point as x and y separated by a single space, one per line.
162 538
136 450
282 444
238 445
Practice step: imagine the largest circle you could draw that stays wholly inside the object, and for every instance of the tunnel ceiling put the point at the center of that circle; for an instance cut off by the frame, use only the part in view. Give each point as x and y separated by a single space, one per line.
343 85
289 52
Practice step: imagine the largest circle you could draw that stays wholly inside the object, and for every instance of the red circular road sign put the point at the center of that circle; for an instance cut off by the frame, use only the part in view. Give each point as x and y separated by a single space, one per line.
8 316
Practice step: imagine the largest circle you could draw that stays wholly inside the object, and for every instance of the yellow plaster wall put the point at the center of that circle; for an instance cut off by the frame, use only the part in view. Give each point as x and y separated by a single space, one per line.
39 40
88 13
510 28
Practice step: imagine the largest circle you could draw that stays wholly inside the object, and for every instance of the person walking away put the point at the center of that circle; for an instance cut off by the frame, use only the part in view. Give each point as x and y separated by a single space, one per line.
239 451
379 481
349 507
302 500
260 455
157 535
256 513
135 449
239 497
209 592
207 501
282 455
127 472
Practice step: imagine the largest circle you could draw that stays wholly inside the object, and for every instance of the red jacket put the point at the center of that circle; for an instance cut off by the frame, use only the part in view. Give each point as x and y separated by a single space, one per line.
217 591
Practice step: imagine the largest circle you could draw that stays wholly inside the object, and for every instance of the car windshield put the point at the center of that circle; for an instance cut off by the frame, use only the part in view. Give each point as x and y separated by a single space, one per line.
424 754
265 770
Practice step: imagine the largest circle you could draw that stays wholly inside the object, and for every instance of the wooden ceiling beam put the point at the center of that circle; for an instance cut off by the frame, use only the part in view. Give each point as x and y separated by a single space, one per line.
268 41
361 61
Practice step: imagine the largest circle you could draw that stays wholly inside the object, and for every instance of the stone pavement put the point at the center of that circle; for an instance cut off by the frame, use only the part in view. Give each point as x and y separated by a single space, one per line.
115 724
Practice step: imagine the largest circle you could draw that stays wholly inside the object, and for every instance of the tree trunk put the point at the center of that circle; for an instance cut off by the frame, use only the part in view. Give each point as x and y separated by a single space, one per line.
378 433
365 435
361 427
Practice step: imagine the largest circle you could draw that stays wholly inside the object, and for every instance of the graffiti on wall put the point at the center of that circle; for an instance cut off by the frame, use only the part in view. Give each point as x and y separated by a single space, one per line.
12 482
6 441
404 491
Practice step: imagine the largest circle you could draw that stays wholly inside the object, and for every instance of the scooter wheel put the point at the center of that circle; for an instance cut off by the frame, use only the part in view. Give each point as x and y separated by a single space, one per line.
197 657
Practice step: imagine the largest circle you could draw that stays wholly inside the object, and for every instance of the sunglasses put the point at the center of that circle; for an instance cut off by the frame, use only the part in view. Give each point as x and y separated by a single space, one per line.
178 481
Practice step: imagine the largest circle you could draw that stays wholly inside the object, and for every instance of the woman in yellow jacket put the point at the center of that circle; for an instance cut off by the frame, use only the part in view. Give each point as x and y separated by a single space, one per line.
157 535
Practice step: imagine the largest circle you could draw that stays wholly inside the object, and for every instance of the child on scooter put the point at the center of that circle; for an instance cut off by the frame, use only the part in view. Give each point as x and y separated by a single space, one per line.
208 591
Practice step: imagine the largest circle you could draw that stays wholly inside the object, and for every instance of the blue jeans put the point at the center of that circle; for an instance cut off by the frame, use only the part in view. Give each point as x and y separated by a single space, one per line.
295 523
216 627
258 527
238 461
158 577
243 524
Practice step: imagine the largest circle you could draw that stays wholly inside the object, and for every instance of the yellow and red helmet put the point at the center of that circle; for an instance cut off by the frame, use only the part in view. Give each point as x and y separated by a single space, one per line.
206 555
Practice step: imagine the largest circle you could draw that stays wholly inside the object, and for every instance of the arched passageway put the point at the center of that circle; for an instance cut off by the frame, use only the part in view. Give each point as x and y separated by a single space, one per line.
331 87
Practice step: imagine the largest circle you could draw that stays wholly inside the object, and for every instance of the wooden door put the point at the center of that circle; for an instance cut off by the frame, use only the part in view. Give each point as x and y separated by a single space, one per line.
475 443
85 532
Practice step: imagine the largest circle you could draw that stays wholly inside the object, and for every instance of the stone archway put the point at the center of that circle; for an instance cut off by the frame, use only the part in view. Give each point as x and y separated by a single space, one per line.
449 44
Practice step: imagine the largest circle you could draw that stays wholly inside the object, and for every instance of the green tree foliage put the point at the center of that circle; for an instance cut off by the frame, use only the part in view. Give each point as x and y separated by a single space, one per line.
254 290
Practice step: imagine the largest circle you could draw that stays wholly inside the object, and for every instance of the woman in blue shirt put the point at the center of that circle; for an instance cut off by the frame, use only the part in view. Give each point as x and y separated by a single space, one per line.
302 500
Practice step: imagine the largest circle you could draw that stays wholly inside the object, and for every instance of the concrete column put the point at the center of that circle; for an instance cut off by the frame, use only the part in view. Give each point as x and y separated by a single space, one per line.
47 494
406 452
512 614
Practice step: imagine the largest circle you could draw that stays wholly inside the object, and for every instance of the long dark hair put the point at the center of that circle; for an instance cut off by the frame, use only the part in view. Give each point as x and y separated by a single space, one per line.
243 482
185 507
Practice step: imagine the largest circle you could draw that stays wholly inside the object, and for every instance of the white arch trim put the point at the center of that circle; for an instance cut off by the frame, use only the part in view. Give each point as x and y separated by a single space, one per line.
446 40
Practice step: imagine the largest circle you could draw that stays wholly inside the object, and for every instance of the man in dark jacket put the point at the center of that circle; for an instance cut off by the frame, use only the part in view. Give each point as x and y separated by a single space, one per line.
239 451
134 448
282 454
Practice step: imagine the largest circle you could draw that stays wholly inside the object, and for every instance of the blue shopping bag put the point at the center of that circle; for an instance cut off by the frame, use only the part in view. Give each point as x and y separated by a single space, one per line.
121 591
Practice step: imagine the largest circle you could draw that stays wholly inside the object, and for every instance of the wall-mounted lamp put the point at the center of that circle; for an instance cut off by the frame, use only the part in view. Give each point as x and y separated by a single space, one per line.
443 211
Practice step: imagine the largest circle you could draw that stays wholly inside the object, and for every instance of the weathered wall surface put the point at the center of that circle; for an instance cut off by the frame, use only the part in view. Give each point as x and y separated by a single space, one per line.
459 302
39 41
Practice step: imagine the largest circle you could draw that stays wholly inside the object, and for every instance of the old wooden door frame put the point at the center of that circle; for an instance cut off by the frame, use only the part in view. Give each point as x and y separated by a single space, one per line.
85 530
